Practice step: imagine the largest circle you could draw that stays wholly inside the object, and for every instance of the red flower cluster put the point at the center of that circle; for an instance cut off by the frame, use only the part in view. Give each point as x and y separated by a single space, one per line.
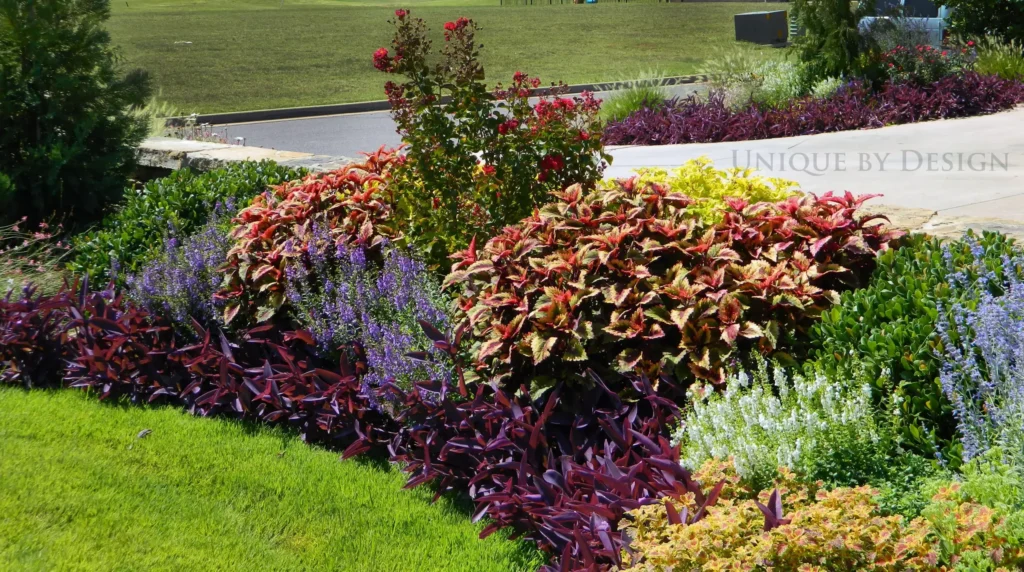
382 60
548 163
456 25
489 170
508 126
401 13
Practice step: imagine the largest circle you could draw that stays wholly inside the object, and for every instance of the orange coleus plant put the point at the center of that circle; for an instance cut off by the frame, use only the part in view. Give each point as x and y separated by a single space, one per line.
803 527
629 278
352 203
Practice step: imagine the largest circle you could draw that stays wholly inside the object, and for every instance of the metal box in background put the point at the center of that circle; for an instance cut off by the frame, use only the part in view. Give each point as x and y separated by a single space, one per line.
762 27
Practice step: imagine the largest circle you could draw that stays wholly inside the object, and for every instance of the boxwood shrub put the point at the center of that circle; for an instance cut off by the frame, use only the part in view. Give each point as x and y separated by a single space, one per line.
178 204
887 331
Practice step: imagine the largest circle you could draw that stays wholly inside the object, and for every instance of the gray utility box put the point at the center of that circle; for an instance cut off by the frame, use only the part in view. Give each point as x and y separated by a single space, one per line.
762 27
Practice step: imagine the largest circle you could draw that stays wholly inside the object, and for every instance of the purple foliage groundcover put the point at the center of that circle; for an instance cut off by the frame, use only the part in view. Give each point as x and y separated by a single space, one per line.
561 469
694 120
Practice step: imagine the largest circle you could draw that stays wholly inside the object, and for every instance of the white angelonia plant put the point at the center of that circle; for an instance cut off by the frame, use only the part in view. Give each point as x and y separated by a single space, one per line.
765 421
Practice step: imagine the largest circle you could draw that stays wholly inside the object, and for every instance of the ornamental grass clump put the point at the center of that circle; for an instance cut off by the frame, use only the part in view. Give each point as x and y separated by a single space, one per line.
342 299
478 159
627 279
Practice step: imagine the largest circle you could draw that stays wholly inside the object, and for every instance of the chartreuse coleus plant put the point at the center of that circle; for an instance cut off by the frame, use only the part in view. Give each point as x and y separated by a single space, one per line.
709 187
887 330
353 203
799 526
629 278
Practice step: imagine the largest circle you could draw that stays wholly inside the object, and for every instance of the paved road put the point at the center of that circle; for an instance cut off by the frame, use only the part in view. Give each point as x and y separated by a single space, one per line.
343 135
960 167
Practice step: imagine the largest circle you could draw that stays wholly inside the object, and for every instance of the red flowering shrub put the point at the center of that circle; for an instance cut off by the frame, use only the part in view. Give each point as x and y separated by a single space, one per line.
353 203
628 278
478 159
921 65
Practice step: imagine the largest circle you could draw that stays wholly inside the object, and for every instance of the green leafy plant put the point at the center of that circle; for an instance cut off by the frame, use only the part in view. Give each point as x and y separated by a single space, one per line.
68 139
827 87
978 18
627 279
777 83
353 204
176 205
888 330
1004 59
478 160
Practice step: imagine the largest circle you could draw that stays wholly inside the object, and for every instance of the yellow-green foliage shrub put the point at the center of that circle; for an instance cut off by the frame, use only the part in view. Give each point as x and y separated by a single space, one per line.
700 180
837 530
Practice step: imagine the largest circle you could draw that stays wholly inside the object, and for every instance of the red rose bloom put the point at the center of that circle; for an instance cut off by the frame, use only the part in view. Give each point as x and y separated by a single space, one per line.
401 13
449 26
381 60
489 170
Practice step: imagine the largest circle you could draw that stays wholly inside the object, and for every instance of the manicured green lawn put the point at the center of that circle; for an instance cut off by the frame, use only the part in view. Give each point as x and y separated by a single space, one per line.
253 54
79 490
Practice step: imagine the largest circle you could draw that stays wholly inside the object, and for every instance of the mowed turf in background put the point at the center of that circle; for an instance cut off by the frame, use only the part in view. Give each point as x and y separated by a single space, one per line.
80 490
258 54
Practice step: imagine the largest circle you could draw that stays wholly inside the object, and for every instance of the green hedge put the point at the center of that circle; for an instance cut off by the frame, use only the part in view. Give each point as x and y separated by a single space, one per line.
888 330
181 202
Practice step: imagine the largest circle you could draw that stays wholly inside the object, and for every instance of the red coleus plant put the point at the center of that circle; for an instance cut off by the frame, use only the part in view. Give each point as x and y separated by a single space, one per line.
628 278
353 203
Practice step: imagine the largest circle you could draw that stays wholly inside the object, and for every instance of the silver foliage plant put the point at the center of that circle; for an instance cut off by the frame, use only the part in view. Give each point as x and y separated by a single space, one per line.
766 420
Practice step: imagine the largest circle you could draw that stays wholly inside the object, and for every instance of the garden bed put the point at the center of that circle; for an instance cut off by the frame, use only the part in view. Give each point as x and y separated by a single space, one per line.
694 369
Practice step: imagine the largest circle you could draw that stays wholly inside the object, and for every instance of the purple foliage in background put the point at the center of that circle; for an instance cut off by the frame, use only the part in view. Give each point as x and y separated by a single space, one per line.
181 282
696 120
342 299
983 370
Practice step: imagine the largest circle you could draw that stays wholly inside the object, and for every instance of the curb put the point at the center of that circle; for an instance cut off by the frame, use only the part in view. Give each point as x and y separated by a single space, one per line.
367 106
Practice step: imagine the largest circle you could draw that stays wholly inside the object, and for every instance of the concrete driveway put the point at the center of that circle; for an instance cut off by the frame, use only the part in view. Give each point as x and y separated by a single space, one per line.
970 167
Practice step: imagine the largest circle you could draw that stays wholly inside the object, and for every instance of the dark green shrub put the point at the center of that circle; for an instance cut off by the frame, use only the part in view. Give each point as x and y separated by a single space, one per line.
178 204
888 329
977 18
831 43
67 139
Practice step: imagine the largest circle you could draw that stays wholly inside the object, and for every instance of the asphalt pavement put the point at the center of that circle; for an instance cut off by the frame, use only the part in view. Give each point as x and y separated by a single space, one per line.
346 135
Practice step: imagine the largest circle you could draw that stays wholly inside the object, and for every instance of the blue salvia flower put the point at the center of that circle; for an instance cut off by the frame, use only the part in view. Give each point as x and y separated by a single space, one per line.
983 345
341 297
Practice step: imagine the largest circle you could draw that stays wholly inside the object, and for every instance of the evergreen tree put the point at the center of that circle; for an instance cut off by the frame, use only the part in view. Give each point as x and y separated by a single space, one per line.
67 141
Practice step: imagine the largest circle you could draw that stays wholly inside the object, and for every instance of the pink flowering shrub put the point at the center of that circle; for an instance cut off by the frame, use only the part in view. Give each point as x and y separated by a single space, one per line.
478 159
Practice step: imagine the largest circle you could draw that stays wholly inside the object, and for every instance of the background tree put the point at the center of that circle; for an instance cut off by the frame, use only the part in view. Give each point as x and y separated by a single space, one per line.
977 18
67 141
831 43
